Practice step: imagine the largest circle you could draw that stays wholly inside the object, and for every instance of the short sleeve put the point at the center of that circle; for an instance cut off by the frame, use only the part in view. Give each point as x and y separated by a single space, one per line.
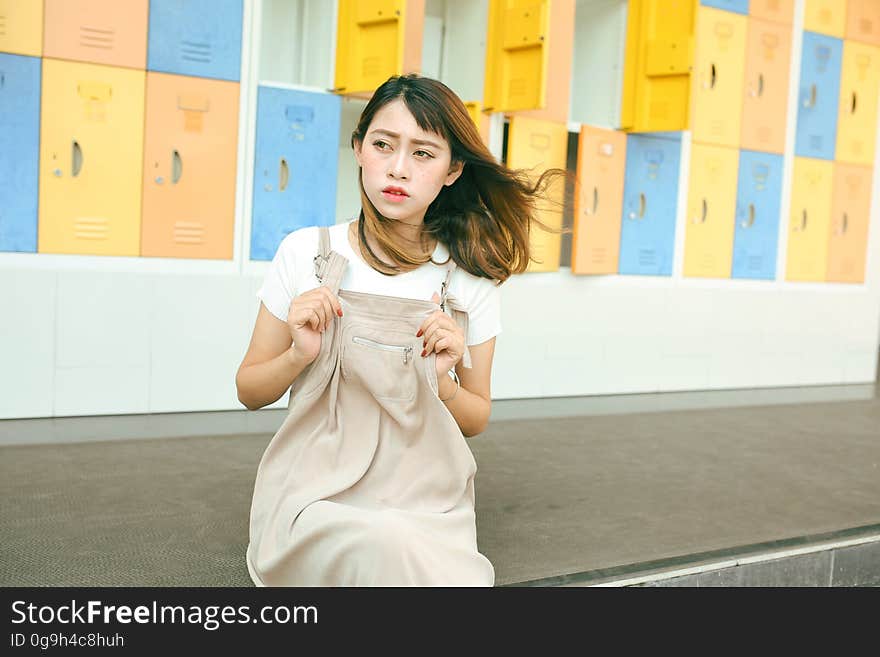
484 312
279 285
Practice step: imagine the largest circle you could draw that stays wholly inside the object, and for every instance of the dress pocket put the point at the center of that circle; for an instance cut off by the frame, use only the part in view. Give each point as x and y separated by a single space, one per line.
383 362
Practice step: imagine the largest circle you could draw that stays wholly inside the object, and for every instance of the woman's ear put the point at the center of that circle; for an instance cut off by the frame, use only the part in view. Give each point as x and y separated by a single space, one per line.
356 145
455 170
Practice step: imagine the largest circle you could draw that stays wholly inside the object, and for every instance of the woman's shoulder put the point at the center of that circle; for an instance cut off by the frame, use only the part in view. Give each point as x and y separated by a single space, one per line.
303 243
473 289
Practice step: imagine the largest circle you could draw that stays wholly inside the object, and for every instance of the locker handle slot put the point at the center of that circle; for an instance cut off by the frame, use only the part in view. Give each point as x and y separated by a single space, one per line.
176 166
713 76
748 223
760 91
77 157
704 212
803 225
845 224
811 101
283 175
642 207
589 211
853 107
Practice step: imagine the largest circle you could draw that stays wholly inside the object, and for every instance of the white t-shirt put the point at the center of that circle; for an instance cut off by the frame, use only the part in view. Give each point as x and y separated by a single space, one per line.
292 273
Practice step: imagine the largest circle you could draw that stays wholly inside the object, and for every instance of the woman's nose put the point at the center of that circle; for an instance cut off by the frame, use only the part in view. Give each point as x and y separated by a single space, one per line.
397 167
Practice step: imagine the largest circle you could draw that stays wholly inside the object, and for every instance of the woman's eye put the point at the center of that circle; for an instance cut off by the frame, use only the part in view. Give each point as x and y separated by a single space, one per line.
380 145
424 154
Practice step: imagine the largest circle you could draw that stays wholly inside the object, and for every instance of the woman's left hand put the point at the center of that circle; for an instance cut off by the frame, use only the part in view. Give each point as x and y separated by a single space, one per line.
443 335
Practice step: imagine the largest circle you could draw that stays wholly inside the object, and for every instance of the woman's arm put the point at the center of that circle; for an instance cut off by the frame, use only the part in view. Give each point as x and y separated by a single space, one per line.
472 403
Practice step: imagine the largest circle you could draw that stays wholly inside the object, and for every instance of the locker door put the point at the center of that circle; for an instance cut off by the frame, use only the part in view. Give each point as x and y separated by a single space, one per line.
818 96
738 6
197 37
781 11
863 21
98 31
647 235
765 97
850 212
190 147
481 120
708 250
758 200
528 58
91 159
598 201
21 27
719 67
376 39
19 151
295 167
825 17
540 145
809 224
857 116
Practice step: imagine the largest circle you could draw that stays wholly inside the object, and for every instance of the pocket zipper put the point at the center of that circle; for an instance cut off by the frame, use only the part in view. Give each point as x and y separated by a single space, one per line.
407 351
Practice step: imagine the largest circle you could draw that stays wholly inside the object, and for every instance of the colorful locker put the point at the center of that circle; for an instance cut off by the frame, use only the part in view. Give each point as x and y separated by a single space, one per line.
810 220
818 96
91 159
780 11
21 27
295 167
196 37
650 197
529 50
376 39
738 6
190 146
765 97
719 67
857 116
758 200
863 21
598 201
825 17
708 250
480 119
97 31
19 151
850 211
537 146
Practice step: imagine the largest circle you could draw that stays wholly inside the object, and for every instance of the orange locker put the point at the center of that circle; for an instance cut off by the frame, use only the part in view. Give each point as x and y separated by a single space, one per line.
598 201
189 167
863 21
97 31
850 211
780 11
765 98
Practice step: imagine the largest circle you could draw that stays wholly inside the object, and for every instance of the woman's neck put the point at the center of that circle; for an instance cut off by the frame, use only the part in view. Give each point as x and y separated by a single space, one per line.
408 236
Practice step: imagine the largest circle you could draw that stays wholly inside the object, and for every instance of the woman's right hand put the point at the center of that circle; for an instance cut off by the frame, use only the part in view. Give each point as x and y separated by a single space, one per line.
310 314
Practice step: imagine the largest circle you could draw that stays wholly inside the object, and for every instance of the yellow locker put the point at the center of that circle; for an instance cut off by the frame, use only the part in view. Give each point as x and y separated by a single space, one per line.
720 69
863 21
529 50
810 220
657 69
857 113
711 211
91 159
21 27
850 210
481 120
825 17
376 39
536 146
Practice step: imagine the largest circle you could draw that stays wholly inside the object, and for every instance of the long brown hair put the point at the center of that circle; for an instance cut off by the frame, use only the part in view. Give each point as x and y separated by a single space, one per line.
484 217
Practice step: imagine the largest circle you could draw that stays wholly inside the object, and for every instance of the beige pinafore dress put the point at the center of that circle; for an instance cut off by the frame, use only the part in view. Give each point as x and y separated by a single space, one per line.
369 480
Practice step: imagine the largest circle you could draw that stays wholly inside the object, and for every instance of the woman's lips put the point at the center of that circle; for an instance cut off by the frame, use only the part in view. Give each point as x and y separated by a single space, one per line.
394 195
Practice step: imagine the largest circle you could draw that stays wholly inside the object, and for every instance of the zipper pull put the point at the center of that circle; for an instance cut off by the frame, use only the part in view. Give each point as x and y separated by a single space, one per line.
406 354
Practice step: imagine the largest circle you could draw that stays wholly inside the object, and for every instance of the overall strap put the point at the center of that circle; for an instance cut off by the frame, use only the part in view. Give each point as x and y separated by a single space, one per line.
455 308
329 265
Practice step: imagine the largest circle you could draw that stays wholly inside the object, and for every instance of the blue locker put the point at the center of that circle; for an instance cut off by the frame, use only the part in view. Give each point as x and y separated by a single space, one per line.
20 92
739 6
818 96
295 165
201 38
758 200
650 194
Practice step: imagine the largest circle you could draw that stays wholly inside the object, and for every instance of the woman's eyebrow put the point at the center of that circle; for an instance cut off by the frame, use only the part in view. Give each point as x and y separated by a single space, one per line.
420 142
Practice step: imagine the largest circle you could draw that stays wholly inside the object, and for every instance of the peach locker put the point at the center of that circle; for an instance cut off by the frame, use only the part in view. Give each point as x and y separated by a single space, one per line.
857 113
780 11
711 211
21 27
376 39
863 21
809 220
97 31
190 146
767 79
538 145
598 201
529 50
850 211
825 17
91 159
719 67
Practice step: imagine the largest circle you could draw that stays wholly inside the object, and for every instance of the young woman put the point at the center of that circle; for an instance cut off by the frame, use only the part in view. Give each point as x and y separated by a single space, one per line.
384 329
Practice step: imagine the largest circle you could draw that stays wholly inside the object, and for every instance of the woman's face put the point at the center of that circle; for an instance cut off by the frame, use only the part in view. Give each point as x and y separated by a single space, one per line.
403 167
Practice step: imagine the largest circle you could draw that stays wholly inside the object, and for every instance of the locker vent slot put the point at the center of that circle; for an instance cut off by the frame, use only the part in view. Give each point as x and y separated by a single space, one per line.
647 257
2 25
599 254
91 228
517 87
189 232
92 37
191 51
372 66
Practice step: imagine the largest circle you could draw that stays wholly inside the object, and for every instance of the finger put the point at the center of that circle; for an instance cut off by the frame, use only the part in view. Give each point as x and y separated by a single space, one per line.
435 298
335 304
432 322
315 319
319 309
329 313
431 343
